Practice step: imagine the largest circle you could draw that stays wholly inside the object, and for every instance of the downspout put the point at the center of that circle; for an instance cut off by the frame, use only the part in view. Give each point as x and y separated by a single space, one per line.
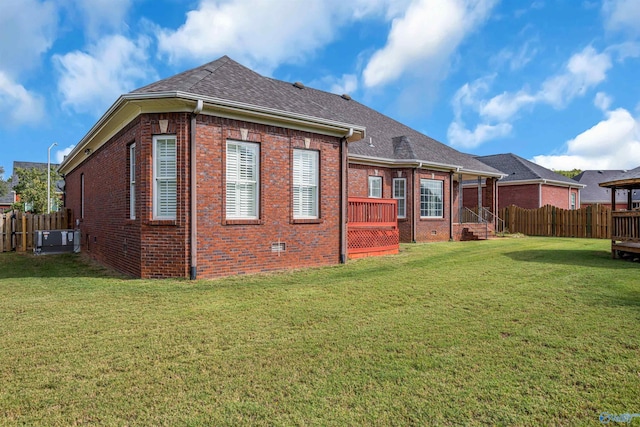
540 195
414 226
344 196
193 249
451 206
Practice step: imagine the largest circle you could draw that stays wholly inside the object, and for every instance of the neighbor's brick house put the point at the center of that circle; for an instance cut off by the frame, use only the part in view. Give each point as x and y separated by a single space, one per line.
593 194
526 185
219 170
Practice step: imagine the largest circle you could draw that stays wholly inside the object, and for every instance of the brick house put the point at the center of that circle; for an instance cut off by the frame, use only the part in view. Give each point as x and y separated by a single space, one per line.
593 194
527 185
219 170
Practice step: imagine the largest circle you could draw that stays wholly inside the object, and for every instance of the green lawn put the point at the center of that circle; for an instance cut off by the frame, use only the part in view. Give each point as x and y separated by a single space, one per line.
525 331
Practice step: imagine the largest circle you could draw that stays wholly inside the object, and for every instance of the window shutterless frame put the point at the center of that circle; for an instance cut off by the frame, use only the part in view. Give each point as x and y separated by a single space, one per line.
400 194
164 177
305 184
375 187
431 198
242 180
132 181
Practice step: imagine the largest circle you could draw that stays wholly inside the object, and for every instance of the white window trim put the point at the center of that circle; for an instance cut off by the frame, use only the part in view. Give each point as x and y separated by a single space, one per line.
255 146
371 180
132 181
315 186
441 183
156 178
404 195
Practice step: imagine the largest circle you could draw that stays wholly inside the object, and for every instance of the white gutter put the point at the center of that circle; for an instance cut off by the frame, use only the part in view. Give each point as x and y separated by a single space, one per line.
416 163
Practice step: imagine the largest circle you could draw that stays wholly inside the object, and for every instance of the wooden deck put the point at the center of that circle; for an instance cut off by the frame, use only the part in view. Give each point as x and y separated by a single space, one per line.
372 227
625 235
619 248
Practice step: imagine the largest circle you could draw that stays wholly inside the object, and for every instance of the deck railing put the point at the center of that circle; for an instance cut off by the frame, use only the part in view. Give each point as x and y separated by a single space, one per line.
372 227
625 226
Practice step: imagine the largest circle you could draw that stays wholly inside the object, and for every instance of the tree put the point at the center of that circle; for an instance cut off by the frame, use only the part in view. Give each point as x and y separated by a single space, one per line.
4 185
568 173
32 189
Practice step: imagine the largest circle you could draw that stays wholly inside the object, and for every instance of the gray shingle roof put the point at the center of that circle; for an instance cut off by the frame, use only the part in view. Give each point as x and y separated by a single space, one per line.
593 193
632 175
518 169
226 79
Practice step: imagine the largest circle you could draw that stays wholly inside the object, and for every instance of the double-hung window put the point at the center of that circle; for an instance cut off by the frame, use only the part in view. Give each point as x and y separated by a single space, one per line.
305 184
431 198
375 187
242 180
164 177
400 194
132 181
573 201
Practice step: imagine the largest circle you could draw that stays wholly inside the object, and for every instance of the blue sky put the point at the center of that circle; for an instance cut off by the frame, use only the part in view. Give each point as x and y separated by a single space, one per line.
554 81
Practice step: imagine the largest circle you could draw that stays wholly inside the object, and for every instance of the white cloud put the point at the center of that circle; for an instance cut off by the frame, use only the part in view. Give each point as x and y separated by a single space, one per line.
622 15
103 16
265 34
459 136
91 81
17 104
59 155
348 84
27 30
583 71
613 143
602 101
414 44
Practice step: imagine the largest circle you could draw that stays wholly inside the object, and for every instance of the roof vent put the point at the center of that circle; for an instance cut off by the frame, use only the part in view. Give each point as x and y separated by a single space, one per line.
299 85
346 96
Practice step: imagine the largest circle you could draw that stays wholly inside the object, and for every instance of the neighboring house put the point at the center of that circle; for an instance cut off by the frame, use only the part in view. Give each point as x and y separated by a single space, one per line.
12 197
527 185
219 170
594 194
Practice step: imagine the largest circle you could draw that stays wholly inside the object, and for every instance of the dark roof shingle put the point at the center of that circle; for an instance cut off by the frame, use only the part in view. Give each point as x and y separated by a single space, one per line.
228 80
518 169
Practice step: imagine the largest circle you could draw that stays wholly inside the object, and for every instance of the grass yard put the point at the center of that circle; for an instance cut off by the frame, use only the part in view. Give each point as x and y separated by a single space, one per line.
523 331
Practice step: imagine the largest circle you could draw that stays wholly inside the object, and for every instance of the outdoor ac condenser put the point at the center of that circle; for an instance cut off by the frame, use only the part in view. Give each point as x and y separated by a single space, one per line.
56 241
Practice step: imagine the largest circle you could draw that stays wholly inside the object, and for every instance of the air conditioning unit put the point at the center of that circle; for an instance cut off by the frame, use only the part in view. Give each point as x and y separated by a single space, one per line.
56 241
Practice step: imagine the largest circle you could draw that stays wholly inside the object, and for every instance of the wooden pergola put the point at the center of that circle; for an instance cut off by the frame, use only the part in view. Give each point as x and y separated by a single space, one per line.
625 224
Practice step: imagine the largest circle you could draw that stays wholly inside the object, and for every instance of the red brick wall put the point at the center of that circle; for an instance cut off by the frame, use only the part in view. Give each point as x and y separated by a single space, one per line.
244 248
147 248
427 229
106 234
525 196
557 196
432 229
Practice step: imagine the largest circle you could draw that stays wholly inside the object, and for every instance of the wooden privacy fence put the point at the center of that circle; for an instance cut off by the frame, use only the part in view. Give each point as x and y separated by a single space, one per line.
17 228
591 221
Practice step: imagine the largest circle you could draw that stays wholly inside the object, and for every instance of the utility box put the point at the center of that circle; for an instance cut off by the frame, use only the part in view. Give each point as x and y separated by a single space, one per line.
56 241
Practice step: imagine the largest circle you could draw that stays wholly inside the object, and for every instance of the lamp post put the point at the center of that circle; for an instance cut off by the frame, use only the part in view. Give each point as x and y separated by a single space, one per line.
49 176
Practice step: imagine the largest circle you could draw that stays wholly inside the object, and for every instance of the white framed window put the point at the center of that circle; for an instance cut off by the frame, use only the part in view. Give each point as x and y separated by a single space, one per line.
243 178
400 194
375 187
164 177
132 181
305 184
573 201
431 198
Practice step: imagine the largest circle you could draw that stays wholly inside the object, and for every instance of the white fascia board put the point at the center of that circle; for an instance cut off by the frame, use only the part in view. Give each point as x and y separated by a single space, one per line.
577 185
